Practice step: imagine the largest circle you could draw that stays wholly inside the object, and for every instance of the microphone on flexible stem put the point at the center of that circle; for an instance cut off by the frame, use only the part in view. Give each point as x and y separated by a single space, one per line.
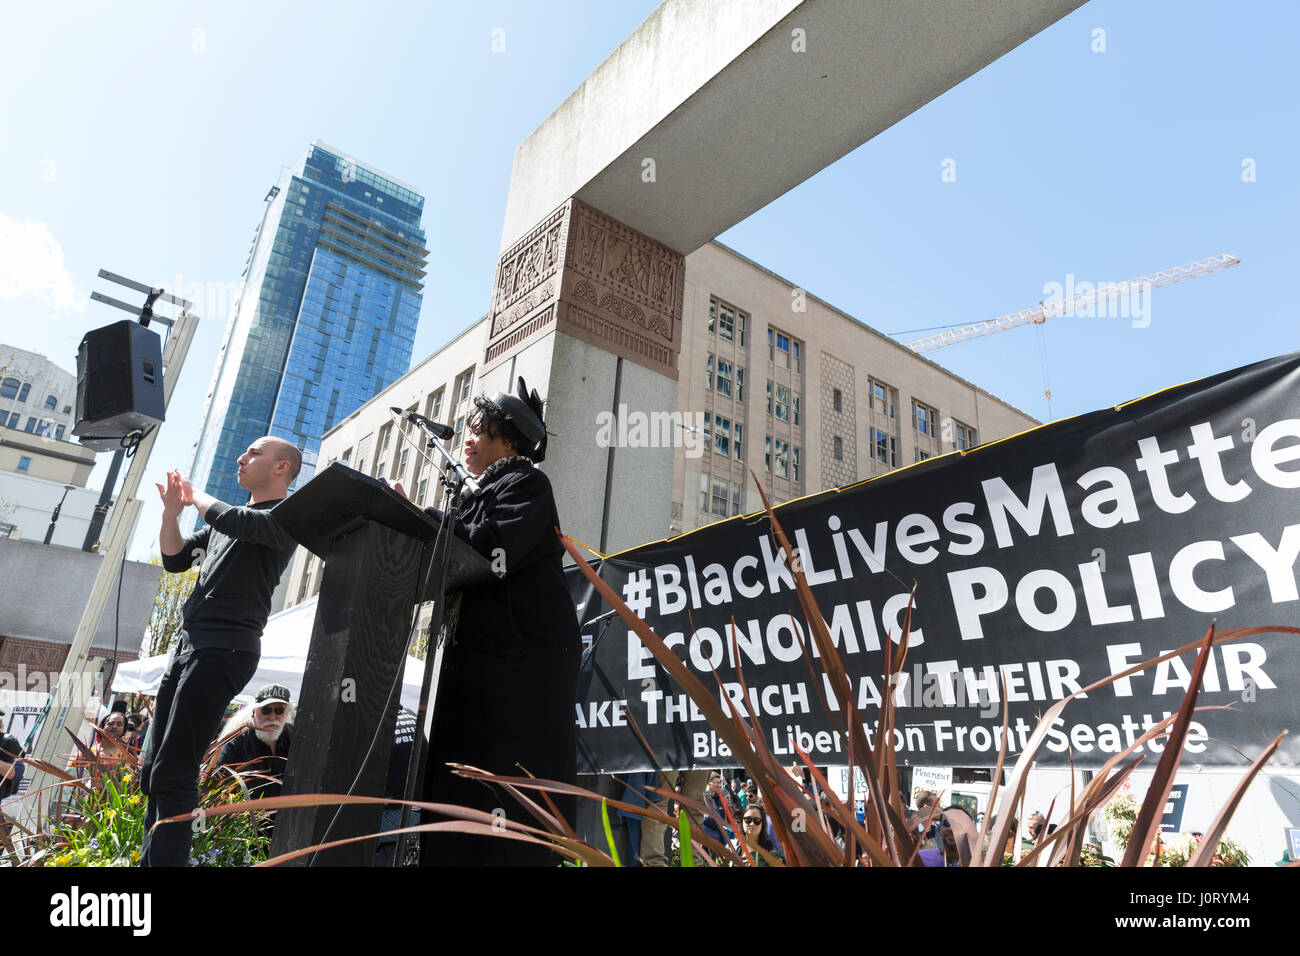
444 432
599 617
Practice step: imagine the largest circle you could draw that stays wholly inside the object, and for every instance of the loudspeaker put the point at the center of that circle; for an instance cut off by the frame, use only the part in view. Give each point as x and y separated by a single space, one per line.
119 385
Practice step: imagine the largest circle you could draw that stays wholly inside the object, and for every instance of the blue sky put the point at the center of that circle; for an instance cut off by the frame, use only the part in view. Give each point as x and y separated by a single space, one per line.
142 137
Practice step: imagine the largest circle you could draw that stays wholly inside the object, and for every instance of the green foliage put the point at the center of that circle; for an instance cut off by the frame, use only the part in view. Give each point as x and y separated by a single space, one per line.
609 833
102 819
1176 849
1120 815
687 858
168 605
105 826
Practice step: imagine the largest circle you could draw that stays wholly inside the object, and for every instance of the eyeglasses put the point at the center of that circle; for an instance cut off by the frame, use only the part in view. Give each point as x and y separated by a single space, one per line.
277 709
756 821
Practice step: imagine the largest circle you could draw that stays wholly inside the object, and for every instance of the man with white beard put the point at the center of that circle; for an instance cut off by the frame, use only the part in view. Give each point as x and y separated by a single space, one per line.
261 750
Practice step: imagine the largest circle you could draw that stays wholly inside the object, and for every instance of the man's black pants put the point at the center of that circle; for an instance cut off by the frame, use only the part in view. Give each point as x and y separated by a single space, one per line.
192 699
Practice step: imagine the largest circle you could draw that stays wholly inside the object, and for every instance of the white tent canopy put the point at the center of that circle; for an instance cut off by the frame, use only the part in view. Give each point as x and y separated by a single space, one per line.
284 656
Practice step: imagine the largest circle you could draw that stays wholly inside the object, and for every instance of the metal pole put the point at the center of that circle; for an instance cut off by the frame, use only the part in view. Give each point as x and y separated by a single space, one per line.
54 518
101 506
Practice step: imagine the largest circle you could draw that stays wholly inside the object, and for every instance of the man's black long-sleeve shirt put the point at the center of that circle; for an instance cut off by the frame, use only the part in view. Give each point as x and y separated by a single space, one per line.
242 553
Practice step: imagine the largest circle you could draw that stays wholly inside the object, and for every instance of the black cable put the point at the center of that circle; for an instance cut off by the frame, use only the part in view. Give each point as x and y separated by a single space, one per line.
117 614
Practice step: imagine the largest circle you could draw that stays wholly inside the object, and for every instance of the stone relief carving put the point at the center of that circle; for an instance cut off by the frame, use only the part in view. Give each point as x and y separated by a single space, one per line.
534 259
629 286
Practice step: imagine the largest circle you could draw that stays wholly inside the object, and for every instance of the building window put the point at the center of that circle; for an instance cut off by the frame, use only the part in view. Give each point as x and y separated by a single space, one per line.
839 448
51 402
460 430
722 385
782 350
405 460
837 400
721 430
9 388
720 497
924 418
464 381
708 372
885 447
736 444
435 405
13 419
58 432
780 458
796 408
965 435
363 452
22 394
24 462
782 403
728 322
883 399
794 463
740 383
922 455
31 425
347 456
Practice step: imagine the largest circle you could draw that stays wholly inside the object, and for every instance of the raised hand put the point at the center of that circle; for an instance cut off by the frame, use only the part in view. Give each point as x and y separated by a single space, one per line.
173 500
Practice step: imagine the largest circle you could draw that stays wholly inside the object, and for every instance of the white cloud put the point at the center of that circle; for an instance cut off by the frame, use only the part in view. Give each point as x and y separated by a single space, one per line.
31 264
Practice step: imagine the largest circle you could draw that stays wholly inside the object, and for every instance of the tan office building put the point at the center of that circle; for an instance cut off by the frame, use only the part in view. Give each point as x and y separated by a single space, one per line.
769 377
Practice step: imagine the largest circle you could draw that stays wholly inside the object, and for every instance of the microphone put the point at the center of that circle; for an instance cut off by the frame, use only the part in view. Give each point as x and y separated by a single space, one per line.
441 431
599 617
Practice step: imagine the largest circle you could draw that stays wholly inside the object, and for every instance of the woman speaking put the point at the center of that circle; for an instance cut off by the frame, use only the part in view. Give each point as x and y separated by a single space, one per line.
509 675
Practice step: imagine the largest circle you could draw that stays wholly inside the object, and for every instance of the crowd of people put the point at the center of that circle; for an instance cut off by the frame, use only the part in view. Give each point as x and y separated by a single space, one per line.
642 842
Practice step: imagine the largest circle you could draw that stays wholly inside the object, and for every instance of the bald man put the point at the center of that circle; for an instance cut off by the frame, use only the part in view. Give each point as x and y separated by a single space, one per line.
240 555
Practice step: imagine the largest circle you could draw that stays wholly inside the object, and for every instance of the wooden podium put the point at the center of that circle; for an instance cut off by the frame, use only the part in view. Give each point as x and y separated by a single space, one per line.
376 546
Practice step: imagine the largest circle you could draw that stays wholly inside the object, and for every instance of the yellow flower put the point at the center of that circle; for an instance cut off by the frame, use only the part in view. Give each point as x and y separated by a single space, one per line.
127 778
110 813
133 799
135 857
62 860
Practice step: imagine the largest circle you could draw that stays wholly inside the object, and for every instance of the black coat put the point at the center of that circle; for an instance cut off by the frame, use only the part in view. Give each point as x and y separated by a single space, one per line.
247 754
509 677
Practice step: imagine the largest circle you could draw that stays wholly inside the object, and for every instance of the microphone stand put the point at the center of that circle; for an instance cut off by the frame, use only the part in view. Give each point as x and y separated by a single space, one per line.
455 479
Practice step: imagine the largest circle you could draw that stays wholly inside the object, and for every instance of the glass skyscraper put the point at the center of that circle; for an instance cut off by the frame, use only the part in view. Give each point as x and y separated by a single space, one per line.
325 318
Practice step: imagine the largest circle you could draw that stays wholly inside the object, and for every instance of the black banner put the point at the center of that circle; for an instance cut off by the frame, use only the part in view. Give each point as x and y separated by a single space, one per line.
1050 559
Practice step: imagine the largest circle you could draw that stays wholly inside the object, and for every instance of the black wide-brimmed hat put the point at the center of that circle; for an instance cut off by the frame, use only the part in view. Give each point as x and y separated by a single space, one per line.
524 411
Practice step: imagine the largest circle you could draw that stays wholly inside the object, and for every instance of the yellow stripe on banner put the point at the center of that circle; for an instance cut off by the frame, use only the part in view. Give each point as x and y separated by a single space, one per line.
586 547
1169 388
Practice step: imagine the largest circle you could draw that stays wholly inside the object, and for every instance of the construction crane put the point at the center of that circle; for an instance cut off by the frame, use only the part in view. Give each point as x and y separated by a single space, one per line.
1082 303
